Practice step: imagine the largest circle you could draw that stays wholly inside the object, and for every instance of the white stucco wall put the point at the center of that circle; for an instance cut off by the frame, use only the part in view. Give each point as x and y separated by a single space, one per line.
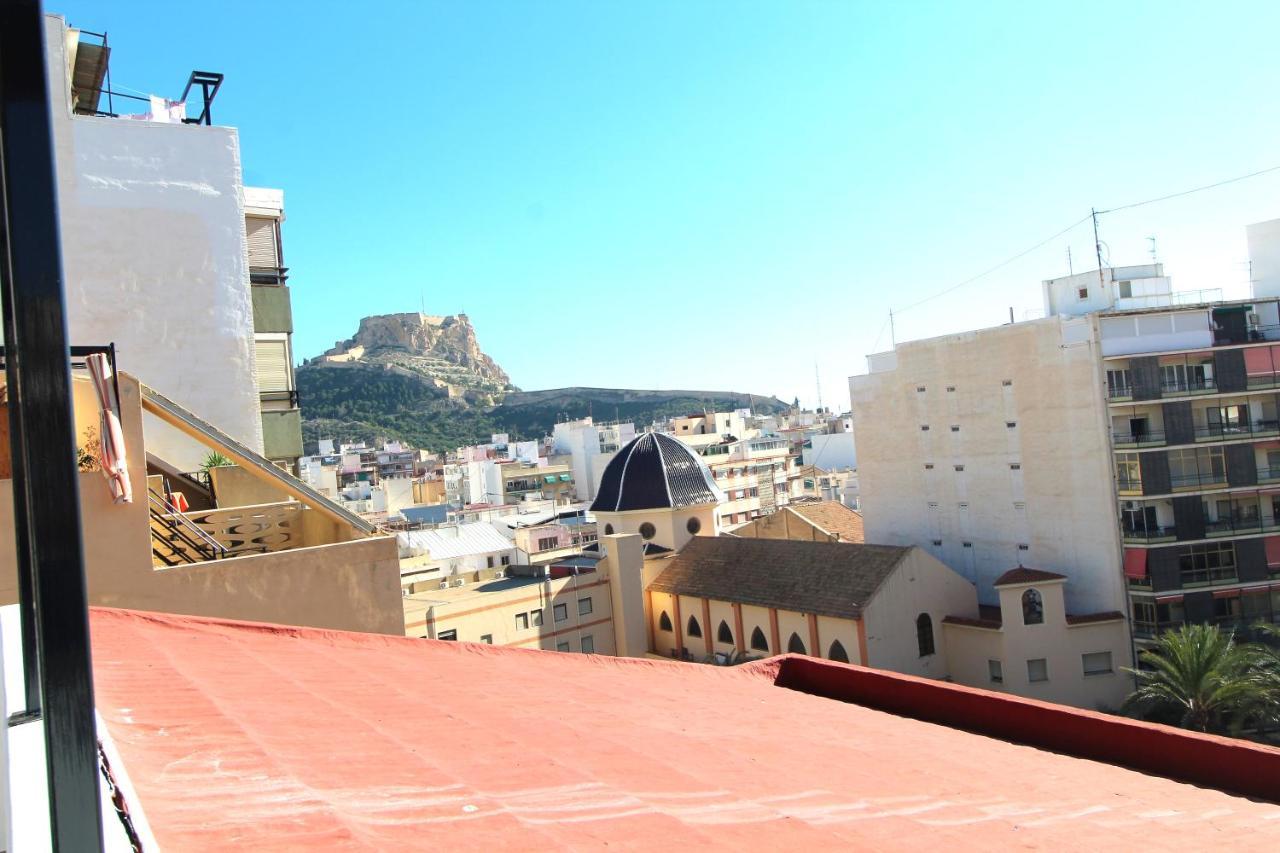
1264 257
831 452
921 584
1058 503
154 253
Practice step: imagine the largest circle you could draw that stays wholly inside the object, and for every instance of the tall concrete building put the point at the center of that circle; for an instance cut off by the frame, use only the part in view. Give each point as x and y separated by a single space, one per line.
1129 442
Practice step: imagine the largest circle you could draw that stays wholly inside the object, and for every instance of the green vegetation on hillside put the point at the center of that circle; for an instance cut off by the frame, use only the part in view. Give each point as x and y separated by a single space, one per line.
372 404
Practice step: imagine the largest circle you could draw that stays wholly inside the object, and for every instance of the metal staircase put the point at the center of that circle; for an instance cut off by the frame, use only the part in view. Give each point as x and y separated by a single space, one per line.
175 540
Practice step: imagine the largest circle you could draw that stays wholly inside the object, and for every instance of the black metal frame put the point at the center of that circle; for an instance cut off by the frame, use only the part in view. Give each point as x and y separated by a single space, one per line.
209 83
42 435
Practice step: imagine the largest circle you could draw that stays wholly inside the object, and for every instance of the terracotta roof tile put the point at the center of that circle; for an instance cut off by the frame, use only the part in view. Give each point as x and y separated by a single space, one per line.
827 578
1024 575
833 517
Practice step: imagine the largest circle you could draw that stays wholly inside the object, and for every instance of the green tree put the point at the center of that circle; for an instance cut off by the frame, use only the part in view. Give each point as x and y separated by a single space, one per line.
1200 676
1267 667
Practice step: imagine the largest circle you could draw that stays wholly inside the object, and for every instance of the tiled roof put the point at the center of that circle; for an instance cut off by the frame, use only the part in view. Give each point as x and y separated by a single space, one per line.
1086 618
1024 575
833 517
265 738
827 578
655 471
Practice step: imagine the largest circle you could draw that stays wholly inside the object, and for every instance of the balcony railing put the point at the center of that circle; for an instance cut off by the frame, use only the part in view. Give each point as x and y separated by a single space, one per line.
268 275
289 397
1189 386
1204 480
1138 439
1269 474
1149 534
1244 429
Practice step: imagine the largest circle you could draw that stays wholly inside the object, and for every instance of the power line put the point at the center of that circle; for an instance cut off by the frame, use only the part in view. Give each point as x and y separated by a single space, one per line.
1195 190
998 266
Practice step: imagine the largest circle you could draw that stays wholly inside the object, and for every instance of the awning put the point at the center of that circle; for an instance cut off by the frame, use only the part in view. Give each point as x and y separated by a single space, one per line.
1135 563
1261 361
1169 599
1272 546
1226 593
564 478
550 478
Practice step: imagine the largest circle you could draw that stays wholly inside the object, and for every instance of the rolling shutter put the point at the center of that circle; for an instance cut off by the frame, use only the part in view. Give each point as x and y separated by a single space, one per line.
273 365
261 235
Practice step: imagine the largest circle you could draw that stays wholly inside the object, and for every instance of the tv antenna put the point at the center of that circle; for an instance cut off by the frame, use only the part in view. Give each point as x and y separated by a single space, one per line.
817 381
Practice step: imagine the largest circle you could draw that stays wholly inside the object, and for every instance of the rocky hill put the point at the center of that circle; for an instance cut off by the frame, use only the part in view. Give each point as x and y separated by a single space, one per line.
425 380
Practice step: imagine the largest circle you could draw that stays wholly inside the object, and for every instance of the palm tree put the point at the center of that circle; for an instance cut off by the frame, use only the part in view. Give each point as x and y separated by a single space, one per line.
1267 666
1199 674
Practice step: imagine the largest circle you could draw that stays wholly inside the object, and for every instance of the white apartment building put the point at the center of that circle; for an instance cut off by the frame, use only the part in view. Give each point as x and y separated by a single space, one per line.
154 247
757 475
589 446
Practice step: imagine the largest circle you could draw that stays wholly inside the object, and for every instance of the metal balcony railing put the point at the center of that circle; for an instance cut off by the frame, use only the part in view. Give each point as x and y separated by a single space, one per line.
1148 534
268 275
1242 429
1207 479
1189 386
290 396
1138 439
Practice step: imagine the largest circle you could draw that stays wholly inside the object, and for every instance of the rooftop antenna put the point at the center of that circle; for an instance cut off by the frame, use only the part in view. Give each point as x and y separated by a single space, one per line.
1070 268
1154 258
1097 244
817 381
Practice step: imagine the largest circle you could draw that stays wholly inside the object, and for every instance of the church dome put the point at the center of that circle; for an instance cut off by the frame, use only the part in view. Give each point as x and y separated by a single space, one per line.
655 471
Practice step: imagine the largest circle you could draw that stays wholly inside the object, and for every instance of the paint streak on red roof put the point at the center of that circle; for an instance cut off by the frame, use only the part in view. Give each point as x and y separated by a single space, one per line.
262 738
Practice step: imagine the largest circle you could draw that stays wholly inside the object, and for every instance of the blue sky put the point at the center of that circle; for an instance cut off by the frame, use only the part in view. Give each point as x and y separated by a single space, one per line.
718 195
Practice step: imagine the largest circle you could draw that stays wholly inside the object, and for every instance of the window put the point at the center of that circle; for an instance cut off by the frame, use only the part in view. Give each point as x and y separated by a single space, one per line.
664 622
506 561
693 525
1037 670
535 617
1082 293
608 530
1201 564
1015 466
1022 546
486 638
937 543
562 647
758 642
584 606
451 634
995 670
919 389
1184 376
647 530
951 388
955 427
924 427
1126 289
959 468
1118 384
795 645
1010 424
588 645
1007 383
723 634
488 562
1096 663
1128 473
837 652
693 629
928 466
1032 608
924 634
966 544
561 612
522 621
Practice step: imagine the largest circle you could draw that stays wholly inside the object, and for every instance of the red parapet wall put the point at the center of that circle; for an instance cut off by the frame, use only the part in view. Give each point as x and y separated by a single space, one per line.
1229 765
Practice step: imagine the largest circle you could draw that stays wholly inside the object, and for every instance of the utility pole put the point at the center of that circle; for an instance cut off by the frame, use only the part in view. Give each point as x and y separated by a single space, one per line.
817 381
1097 245
1070 268
893 340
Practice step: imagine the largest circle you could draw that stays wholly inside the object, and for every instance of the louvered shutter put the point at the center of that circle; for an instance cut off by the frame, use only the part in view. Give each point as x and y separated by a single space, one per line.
273 365
261 234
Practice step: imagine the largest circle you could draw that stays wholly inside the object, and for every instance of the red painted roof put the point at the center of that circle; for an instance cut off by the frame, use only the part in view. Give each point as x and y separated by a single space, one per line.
258 737
1024 575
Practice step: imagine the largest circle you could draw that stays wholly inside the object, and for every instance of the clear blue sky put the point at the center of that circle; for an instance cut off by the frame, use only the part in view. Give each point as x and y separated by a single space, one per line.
717 195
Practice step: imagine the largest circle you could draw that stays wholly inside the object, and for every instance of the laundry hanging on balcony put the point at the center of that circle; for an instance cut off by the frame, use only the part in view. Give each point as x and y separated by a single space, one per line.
115 465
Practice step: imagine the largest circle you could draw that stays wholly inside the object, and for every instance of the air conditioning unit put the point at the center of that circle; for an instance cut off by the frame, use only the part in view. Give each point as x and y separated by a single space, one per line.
444 584
460 582
1254 319
1130 504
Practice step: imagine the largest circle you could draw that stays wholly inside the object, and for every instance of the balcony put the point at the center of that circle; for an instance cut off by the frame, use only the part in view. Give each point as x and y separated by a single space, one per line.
1202 480
1129 440
1148 535
1269 428
1198 385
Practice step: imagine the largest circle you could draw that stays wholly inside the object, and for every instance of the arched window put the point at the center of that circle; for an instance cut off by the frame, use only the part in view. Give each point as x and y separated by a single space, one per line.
664 621
647 530
1032 608
695 630
924 634
837 652
796 645
758 642
693 525
608 530
723 634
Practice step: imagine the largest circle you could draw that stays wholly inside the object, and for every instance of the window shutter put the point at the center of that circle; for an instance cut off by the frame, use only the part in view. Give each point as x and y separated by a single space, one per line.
261 235
273 365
